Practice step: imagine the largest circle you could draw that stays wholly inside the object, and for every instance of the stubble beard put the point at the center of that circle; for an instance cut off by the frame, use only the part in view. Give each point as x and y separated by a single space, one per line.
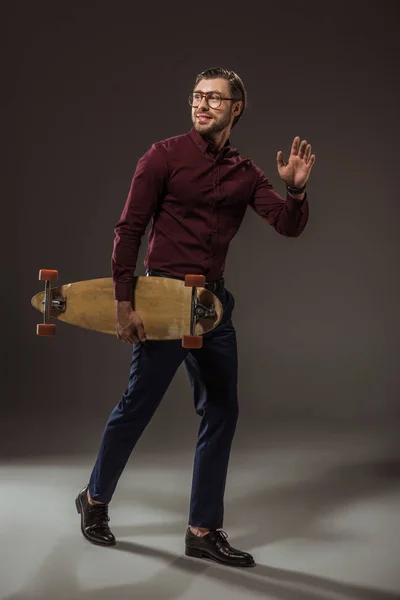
213 127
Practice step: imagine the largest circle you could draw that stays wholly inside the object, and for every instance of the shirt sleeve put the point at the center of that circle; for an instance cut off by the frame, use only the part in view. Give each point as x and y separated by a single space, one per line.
288 217
146 191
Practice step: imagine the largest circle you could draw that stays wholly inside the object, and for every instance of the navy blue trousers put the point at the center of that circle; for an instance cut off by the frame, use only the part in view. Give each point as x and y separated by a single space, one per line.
212 372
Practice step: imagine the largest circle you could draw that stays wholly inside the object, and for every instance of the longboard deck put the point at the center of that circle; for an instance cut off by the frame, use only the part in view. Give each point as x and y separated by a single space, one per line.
163 304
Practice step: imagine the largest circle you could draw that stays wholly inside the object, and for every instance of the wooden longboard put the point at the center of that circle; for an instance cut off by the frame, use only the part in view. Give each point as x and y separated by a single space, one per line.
165 305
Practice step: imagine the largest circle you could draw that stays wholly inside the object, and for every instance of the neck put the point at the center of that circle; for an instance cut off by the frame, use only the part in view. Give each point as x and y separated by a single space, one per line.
219 139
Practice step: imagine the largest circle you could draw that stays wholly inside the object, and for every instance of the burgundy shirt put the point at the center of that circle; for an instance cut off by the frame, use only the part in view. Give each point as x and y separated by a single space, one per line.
196 200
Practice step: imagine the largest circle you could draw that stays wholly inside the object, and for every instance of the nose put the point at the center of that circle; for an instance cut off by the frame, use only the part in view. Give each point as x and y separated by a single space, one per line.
203 103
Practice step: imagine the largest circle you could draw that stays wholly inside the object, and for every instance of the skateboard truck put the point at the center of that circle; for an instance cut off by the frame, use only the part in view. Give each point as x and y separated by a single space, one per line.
50 302
199 311
203 312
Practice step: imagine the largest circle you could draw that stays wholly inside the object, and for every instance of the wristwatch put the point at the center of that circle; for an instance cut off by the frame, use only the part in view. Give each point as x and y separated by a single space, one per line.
296 190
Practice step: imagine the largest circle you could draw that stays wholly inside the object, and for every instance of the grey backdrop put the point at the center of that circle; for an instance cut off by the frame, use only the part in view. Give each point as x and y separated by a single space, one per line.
90 86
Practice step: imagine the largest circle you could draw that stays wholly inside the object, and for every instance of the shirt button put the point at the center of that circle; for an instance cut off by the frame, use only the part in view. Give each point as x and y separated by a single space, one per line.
214 231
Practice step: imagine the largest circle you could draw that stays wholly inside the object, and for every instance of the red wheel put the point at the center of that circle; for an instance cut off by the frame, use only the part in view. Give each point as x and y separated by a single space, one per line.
192 341
47 329
48 275
195 281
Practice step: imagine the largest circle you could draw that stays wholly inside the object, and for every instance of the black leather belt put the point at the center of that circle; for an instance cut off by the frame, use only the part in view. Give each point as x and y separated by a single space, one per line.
215 287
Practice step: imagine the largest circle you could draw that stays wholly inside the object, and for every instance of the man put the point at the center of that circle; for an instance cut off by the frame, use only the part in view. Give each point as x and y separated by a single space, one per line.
195 187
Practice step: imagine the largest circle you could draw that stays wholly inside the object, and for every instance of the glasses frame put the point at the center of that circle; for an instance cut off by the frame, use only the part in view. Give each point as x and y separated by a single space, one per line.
205 95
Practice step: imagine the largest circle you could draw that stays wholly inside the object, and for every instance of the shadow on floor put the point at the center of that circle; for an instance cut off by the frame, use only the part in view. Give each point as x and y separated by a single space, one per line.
289 511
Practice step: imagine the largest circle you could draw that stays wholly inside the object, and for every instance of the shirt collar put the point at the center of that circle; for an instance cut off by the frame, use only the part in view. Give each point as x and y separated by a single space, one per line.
203 144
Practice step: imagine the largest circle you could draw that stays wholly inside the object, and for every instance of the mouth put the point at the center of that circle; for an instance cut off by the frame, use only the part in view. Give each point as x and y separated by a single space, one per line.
202 118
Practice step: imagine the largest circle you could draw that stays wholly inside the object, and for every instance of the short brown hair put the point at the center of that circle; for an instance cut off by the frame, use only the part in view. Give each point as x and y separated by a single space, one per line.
238 90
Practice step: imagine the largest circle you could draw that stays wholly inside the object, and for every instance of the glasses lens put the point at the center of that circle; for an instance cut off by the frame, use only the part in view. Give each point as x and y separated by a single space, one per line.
214 100
194 99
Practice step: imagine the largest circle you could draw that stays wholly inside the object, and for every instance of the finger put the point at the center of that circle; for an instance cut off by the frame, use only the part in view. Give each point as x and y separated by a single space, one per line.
131 339
279 159
140 332
311 161
134 337
128 338
302 149
128 334
308 153
295 146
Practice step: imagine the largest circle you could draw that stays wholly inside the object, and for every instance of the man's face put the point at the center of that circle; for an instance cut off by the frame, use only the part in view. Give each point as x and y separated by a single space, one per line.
208 120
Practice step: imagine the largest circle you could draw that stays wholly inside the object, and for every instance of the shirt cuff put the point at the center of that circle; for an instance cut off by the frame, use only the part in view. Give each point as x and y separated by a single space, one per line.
295 202
123 291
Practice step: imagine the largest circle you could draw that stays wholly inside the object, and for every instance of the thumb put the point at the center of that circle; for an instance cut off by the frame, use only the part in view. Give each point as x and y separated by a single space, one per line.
279 159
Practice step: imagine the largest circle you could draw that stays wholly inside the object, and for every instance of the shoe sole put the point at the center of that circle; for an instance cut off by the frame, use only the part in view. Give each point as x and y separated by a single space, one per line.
80 512
195 553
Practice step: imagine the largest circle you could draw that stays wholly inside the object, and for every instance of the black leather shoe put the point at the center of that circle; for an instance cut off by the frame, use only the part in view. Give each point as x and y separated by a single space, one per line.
214 546
94 520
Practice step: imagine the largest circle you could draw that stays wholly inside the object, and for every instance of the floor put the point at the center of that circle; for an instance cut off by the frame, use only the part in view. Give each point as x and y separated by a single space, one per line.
320 514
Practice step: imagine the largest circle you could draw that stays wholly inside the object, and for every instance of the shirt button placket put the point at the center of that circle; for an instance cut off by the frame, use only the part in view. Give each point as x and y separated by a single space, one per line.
216 194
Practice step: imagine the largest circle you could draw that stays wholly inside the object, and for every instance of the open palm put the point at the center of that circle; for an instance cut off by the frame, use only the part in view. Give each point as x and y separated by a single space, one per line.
298 168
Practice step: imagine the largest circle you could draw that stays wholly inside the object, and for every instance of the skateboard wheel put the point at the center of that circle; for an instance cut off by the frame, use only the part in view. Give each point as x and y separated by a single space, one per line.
192 341
46 329
48 275
195 281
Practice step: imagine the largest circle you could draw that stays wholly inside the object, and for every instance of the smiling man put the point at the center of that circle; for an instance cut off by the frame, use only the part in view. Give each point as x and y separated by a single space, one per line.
195 188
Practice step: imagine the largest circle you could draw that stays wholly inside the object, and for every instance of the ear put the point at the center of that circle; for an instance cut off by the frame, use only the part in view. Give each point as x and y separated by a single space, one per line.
237 107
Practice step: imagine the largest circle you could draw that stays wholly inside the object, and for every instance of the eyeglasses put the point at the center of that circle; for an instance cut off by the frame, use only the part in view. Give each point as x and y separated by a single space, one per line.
213 99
